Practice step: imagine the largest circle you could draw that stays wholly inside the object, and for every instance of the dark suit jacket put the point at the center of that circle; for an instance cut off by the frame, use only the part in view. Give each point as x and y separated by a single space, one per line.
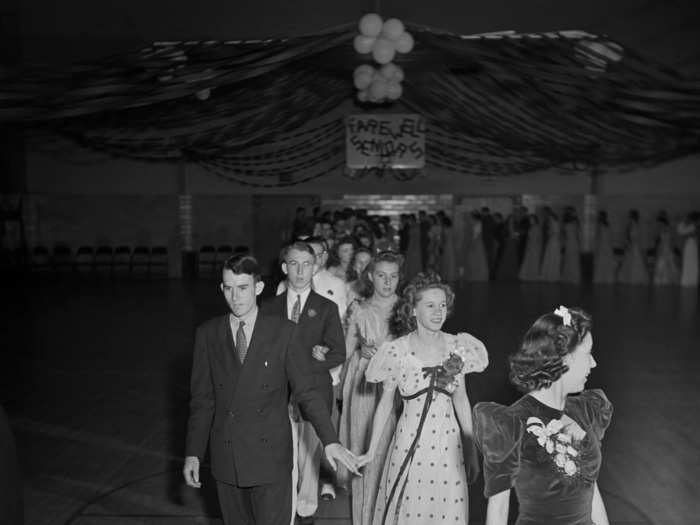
242 409
319 324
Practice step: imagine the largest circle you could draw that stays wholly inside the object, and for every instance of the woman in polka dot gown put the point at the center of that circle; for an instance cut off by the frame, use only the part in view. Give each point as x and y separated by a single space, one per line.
424 478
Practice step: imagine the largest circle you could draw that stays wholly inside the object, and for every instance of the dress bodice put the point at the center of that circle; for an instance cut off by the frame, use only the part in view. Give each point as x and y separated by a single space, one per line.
526 448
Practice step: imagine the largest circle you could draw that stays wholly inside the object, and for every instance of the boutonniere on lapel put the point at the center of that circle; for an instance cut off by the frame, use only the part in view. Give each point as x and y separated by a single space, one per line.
330 292
311 312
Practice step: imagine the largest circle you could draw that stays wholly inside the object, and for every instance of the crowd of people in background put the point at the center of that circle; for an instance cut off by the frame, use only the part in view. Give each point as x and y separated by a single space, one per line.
544 246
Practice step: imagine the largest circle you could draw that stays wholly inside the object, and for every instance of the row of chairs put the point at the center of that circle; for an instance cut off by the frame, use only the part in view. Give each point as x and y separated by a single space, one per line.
210 258
120 261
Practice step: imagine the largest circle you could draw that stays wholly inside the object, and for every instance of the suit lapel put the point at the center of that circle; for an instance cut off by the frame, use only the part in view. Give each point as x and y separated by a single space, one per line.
227 348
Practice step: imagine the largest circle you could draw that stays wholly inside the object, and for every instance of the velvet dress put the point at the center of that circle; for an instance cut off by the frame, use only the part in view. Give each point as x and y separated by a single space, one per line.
519 453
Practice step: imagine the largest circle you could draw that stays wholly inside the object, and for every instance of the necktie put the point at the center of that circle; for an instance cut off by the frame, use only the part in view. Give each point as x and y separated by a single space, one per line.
241 342
296 309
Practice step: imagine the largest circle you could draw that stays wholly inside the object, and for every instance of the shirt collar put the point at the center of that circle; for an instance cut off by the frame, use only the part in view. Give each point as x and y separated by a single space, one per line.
292 295
248 318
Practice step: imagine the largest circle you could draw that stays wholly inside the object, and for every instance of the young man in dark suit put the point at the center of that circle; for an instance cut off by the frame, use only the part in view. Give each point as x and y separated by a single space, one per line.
320 335
243 366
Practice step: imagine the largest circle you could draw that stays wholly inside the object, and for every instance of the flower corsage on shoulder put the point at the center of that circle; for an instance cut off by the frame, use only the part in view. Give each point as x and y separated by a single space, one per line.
558 443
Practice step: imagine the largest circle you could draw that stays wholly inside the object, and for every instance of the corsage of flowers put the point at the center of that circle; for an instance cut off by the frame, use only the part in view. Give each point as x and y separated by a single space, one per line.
467 355
448 371
557 442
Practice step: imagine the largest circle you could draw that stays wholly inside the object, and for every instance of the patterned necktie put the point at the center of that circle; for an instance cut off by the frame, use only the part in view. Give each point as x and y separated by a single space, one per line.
296 310
241 342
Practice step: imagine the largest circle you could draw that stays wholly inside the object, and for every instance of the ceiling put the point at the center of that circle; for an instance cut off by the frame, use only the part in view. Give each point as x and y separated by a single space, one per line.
48 31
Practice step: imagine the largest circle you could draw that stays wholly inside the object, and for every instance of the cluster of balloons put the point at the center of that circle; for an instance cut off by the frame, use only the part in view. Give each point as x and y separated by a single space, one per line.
383 39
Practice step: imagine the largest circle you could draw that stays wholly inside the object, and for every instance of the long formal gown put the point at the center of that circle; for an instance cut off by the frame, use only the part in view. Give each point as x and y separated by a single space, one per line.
665 268
448 262
515 456
435 248
530 268
368 325
424 479
571 266
604 263
689 266
550 269
633 269
477 262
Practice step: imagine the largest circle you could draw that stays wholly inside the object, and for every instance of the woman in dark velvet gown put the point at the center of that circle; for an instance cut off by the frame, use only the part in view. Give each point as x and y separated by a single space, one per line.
547 444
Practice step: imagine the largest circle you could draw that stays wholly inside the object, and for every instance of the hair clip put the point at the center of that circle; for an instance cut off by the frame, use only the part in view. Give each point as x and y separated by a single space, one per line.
565 315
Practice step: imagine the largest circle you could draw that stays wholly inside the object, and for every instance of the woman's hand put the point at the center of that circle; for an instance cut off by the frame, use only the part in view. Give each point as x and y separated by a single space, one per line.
368 349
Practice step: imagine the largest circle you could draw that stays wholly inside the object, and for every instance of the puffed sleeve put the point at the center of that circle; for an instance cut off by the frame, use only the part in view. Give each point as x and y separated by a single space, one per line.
595 410
498 435
385 364
473 352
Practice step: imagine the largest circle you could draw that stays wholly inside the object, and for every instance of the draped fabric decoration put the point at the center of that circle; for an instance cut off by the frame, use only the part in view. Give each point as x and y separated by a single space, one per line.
270 112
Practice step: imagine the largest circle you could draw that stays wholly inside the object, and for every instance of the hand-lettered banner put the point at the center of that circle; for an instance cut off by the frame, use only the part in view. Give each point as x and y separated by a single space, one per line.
390 140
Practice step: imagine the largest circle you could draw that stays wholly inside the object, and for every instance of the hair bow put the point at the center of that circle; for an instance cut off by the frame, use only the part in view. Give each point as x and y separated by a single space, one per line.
565 315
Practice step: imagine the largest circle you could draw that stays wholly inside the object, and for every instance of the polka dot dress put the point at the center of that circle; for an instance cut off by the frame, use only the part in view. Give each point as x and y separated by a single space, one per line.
433 487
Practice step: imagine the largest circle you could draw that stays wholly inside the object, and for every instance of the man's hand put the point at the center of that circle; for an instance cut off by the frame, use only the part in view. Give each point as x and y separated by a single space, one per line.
336 452
191 472
319 352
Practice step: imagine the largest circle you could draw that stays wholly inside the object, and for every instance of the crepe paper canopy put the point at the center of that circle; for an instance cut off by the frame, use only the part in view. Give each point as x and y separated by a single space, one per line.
270 112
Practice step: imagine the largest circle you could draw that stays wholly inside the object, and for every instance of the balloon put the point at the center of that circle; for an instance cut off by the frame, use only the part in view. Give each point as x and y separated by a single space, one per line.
383 51
405 43
392 29
363 80
362 95
363 44
364 69
203 94
377 89
394 90
391 71
370 25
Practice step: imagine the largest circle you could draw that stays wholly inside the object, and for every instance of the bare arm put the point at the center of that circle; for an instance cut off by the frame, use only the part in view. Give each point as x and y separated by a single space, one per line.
497 508
598 514
384 408
463 408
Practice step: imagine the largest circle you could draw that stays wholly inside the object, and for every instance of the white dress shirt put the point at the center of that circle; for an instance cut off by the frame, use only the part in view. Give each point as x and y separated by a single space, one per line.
292 298
248 327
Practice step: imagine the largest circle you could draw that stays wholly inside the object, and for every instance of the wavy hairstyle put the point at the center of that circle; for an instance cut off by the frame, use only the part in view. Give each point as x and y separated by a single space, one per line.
539 361
402 319
365 286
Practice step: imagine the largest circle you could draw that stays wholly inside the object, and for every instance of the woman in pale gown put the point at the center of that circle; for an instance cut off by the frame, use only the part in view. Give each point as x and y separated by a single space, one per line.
353 288
424 479
550 269
633 269
368 329
530 268
342 257
665 268
604 263
688 230
448 270
571 267
477 263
